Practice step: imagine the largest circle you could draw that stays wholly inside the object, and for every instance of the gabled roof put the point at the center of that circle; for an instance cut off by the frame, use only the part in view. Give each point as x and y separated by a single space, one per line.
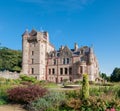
33 32
65 52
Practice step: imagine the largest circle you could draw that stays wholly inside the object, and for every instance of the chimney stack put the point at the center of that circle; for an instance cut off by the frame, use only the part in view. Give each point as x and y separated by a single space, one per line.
75 46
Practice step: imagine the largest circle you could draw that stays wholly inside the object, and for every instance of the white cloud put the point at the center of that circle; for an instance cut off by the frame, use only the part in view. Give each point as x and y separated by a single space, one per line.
58 5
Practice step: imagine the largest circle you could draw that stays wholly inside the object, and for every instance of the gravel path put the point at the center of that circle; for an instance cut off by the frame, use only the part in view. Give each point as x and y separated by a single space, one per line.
11 107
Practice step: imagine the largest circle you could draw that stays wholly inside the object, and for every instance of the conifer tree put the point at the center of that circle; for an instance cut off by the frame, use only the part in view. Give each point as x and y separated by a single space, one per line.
85 87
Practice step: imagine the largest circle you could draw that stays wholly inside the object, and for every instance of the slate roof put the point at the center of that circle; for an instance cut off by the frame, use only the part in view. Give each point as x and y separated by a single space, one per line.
80 51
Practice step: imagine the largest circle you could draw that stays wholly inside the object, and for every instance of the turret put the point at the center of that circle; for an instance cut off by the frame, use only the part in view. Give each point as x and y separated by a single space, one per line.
91 55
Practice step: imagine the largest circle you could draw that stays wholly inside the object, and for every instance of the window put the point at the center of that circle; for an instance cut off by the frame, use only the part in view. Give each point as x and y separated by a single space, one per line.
32 70
82 51
81 69
49 71
70 70
53 71
68 61
61 79
65 70
61 71
54 61
32 61
32 52
63 60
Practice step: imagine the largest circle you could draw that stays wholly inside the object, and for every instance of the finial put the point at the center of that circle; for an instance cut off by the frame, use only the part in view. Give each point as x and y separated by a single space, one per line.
91 45
41 29
26 30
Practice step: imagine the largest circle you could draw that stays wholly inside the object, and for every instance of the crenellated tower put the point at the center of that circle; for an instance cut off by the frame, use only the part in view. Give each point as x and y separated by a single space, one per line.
35 47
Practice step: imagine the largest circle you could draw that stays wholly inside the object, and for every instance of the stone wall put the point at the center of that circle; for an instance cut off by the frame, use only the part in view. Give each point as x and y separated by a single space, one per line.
9 75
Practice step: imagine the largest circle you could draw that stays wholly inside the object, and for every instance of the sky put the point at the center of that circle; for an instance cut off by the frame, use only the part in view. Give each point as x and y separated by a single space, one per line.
85 22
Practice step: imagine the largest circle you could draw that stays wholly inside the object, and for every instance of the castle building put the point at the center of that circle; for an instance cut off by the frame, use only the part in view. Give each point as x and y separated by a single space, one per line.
41 60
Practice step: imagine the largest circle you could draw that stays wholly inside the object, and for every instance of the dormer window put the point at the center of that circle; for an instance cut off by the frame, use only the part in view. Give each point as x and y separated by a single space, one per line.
82 51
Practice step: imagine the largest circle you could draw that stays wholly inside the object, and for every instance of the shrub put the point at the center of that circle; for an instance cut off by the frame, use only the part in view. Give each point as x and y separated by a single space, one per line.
95 91
99 104
85 87
78 82
74 103
118 93
72 94
26 94
49 102
3 94
3 99
28 78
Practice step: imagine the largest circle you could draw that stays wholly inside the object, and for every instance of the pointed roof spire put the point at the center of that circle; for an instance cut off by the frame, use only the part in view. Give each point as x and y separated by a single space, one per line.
26 32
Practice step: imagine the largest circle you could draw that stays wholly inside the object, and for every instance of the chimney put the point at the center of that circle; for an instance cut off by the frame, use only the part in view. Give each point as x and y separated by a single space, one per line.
62 47
75 46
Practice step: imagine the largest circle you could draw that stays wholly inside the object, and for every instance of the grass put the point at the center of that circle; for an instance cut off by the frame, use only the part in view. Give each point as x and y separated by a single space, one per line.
51 85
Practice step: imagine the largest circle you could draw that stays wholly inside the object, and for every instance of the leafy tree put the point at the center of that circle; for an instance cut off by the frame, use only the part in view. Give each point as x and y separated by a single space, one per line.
115 76
104 76
10 59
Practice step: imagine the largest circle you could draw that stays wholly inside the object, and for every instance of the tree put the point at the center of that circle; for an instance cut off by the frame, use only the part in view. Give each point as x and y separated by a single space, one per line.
115 76
10 59
104 76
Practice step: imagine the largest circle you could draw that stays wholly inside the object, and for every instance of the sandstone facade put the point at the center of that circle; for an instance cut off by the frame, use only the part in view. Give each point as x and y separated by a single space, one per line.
41 60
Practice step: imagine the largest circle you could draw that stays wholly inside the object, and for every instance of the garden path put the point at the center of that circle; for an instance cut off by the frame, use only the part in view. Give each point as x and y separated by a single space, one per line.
11 107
